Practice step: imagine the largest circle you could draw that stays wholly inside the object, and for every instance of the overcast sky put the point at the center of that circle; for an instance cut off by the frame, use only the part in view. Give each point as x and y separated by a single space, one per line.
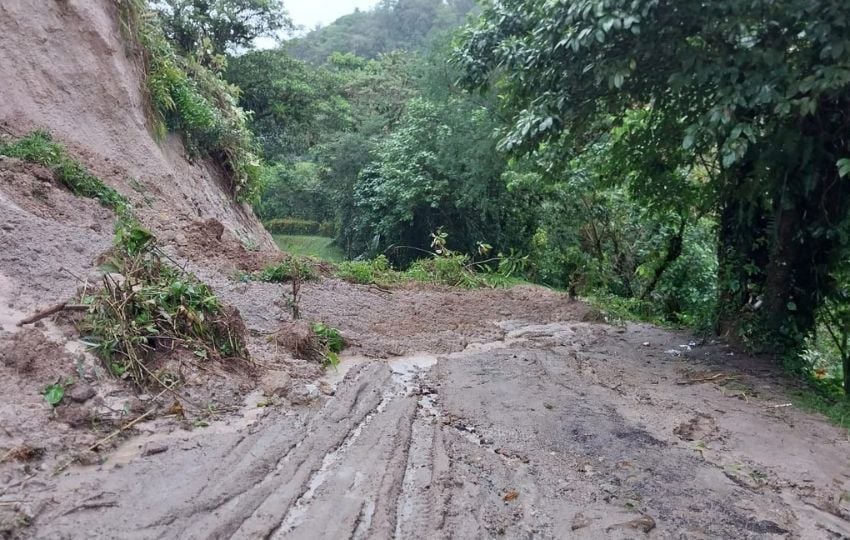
309 13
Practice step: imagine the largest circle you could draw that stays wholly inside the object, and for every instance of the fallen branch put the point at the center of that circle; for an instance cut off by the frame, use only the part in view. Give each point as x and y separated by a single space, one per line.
385 291
92 506
115 433
120 430
64 306
714 378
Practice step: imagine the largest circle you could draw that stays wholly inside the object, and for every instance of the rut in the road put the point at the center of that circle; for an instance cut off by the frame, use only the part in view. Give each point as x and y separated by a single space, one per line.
527 437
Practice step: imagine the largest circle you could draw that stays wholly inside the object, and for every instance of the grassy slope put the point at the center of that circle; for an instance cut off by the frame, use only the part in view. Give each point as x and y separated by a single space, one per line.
320 247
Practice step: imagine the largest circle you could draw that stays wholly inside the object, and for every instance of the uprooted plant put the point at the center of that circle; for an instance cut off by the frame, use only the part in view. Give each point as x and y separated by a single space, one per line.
147 305
330 343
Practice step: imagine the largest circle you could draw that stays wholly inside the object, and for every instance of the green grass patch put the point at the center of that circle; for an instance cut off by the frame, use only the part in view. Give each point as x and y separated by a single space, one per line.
320 247
825 397
40 148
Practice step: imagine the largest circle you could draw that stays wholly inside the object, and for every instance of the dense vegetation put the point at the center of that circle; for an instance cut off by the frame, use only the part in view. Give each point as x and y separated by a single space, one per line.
679 162
393 25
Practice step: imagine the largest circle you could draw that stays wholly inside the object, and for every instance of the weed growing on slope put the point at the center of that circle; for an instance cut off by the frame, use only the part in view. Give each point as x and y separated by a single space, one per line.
152 306
190 99
38 147
330 342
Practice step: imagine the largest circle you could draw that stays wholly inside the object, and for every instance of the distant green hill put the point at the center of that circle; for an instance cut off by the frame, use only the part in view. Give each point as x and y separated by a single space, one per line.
408 25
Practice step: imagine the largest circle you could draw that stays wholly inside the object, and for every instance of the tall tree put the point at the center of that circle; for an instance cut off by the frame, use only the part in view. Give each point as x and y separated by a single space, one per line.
756 91
220 25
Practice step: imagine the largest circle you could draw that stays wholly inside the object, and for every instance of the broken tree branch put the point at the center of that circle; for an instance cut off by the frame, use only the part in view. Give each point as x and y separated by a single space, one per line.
64 306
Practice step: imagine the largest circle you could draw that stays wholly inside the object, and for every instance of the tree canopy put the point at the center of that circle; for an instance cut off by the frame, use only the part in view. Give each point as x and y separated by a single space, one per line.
755 92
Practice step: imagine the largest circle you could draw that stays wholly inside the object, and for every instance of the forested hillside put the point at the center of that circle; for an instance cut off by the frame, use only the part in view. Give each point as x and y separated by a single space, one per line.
654 174
392 25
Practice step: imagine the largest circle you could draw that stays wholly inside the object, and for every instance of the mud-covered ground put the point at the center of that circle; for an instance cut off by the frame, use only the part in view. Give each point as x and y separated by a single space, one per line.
532 428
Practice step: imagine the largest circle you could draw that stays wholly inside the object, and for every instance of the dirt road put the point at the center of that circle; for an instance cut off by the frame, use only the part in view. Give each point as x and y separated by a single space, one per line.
554 430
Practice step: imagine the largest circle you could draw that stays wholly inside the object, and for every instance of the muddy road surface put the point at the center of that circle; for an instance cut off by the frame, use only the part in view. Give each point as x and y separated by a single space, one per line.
553 430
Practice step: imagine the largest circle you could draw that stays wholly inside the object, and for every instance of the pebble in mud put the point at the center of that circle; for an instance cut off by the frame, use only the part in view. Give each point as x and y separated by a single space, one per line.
579 522
80 393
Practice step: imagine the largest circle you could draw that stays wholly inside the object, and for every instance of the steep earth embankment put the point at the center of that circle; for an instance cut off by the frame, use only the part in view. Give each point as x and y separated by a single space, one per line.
66 68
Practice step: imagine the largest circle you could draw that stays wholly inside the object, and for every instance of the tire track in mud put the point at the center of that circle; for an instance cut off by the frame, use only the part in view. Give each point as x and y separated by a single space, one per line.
526 437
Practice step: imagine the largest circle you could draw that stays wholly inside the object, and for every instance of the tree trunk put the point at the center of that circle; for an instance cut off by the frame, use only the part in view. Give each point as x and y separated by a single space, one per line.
674 250
739 250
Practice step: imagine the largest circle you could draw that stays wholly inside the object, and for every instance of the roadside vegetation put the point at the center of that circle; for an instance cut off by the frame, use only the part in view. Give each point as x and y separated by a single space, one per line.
187 95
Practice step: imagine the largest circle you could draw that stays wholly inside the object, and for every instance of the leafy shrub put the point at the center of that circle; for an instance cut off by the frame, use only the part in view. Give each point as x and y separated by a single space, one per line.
40 148
329 337
288 270
190 99
154 306
377 271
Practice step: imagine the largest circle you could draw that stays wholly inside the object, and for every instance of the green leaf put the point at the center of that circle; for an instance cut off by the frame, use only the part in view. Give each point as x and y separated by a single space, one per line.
53 394
843 167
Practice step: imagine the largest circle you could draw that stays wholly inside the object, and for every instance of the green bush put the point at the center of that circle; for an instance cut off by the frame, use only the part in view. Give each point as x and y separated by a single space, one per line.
329 337
288 270
38 147
190 99
377 271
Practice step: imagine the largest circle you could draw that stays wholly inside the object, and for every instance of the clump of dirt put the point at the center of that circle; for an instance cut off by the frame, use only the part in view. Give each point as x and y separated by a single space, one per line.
30 352
699 428
299 339
208 241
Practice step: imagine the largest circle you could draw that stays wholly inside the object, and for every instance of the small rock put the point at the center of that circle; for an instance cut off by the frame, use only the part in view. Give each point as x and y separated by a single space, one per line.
643 523
579 522
275 383
303 394
81 393
326 388
154 450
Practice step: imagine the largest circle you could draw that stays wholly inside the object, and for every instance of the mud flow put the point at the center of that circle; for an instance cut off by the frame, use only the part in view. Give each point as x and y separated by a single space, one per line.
554 430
